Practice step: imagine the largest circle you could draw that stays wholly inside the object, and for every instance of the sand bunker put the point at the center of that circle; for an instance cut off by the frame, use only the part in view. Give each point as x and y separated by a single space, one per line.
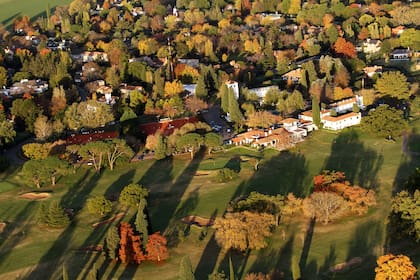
35 196
199 221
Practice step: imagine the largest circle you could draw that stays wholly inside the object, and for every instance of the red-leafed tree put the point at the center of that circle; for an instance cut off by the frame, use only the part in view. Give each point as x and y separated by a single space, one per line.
341 46
130 245
323 182
156 248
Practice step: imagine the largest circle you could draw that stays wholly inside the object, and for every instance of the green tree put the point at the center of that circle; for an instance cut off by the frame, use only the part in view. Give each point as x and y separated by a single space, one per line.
224 97
234 110
53 216
26 110
189 142
406 214
95 152
36 150
201 90
393 84
99 205
128 114
54 167
87 114
7 132
160 151
32 171
316 114
112 242
43 128
384 121
185 269
117 149
141 222
3 76
133 194
212 140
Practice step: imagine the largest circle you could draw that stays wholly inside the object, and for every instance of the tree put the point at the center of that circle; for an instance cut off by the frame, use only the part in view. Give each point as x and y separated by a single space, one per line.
116 149
405 210
224 97
95 153
316 114
189 142
234 110
185 269
195 104
7 132
384 121
132 195
99 205
391 267
36 150
324 206
43 128
58 101
53 216
201 90
212 140
160 150
27 110
54 167
87 114
141 222
393 84
3 76
32 171
112 241
341 46
156 248
243 230
130 246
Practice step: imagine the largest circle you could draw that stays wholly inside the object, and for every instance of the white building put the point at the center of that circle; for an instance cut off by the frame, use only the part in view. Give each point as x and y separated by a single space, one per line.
262 91
343 121
371 46
234 86
346 105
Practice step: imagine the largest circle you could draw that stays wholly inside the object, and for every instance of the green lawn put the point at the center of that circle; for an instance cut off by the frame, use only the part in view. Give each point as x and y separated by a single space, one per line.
10 9
180 187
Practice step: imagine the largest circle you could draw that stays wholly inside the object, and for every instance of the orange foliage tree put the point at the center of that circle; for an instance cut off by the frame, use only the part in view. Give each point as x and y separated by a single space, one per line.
341 46
156 248
395 267
130 246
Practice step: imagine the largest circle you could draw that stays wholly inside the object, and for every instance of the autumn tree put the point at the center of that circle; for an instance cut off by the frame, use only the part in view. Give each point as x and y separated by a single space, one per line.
341 46
384 121
156 248
393 84
112 241
99 205
324 206
58 101
391 267
243 230
130 246
43 128
132 195
36 150
173 88
195 104
261 119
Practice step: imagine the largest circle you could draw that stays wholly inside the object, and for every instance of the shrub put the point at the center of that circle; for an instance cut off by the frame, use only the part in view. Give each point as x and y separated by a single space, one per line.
99 205
226 174
132 194
53 216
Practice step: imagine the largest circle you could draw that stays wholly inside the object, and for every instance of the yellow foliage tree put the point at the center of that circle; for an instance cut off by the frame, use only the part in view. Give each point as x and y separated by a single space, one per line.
173 88
391 267
341 93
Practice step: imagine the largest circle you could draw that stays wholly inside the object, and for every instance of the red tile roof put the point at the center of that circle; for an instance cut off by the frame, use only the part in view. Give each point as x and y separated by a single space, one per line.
165 127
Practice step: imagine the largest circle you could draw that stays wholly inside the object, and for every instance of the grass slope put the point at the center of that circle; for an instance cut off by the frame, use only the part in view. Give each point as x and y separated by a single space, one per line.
10 9
180 187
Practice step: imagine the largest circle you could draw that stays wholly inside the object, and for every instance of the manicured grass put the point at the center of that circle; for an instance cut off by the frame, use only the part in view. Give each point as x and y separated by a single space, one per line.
10 9
180 187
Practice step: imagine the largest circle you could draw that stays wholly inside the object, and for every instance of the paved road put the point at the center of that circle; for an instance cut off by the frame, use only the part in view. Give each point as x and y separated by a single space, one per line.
15 153
212 117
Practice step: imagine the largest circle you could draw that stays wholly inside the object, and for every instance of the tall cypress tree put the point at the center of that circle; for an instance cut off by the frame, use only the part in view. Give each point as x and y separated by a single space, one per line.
316 115
185 269
201 90
141 222
224 96
112 242
234 111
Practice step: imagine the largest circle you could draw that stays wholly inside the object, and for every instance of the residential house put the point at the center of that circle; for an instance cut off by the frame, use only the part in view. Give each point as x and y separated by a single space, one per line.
293 76
165 126
193 62
189 88
278 138
91 56
292 125
371 46
306 117
126 90
343 121
400 54
346 105
370 71
397 31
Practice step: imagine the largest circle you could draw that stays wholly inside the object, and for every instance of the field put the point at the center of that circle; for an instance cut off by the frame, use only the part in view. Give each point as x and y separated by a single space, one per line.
10 9
180 187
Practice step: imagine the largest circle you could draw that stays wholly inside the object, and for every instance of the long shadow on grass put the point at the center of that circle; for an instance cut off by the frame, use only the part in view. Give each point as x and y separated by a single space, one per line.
359 163
113 191
15 232
284 173
74 198
303 261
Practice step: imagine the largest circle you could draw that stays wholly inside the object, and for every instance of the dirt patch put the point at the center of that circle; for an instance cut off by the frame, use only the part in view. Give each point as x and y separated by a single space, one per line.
199 221
2 227
110 220
35 196
346 265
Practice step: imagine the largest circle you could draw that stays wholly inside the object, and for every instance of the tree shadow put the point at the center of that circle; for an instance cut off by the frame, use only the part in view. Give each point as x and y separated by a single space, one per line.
234 164
368 239
329 260
282 174
306 269
159 173
359 163
76 198
113 191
